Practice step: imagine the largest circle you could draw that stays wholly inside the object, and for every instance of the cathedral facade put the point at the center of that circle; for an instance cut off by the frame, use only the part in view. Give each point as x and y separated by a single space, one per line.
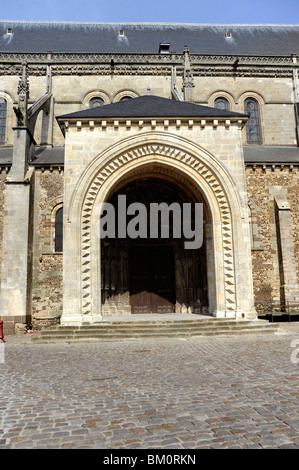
147 114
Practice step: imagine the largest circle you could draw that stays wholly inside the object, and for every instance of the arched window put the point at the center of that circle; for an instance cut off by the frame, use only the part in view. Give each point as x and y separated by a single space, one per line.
124 98
59 230
96 101
253 126
3 111
221 103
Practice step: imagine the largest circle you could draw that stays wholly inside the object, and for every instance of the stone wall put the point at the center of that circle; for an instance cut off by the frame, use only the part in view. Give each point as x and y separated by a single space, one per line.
262 184
72 92
47 271
275 98
47 265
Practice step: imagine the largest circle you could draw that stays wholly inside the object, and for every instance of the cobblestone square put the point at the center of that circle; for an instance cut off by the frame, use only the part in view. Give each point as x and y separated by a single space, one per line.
201 393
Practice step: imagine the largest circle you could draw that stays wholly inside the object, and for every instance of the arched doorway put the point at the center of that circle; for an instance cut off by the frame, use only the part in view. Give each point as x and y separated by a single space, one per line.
154 274
186 164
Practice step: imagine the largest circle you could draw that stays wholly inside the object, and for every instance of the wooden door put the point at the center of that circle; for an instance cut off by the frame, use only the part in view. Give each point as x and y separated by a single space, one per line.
152 279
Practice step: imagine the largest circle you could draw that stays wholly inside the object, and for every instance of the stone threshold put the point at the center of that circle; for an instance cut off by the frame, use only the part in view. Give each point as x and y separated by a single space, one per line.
150 317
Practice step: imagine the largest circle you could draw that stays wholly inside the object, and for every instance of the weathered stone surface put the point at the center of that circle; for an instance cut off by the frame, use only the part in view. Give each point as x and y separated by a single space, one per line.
266 265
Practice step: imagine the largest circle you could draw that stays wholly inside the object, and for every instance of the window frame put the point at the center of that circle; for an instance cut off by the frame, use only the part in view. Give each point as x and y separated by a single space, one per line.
256 123
96 99
58 242
3 120
224 100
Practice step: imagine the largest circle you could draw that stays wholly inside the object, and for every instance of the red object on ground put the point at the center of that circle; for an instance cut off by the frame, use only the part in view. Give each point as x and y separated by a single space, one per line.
1 332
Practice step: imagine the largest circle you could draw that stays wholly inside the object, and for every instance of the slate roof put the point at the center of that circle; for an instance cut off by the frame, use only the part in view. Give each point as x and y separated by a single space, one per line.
47 156
5 156
259 39
150 106
44 156
269 154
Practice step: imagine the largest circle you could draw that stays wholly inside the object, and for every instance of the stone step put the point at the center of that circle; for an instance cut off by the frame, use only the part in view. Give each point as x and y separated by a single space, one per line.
147 332
168 324
143 328
154 333
110 333
112 338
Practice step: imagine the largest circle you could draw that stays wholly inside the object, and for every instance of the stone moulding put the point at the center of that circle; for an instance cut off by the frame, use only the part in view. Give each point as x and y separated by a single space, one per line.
101 174
153 123
53 57
146 64
271 167
211 70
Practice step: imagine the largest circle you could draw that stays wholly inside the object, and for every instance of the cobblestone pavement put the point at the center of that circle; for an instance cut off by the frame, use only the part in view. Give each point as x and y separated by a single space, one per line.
224 392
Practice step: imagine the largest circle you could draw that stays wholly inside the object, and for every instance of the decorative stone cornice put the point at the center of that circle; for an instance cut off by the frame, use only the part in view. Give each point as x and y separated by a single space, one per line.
147 64
214 71
262 167
241 59
165 123
159 70
67 58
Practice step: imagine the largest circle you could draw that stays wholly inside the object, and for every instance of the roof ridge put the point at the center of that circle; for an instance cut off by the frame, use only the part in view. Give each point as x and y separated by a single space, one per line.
145 23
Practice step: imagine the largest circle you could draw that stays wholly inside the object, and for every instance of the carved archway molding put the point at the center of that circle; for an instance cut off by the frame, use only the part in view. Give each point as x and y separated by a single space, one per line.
183 157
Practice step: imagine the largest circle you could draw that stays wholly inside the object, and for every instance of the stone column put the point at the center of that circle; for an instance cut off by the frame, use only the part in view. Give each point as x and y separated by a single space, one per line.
287 263
15 304
188 82
16 272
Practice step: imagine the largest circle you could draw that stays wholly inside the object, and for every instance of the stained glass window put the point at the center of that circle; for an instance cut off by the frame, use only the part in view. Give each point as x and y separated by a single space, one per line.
221 103
59 230
97 101
3 110
253 126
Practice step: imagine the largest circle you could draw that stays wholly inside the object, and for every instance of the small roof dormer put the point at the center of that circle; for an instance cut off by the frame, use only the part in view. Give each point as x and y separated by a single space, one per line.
164 48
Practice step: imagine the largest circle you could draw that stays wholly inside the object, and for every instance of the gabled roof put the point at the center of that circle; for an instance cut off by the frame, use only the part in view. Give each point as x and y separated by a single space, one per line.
150 106
259 39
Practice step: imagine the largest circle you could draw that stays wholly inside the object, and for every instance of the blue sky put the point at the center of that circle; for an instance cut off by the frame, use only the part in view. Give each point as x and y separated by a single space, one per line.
178 11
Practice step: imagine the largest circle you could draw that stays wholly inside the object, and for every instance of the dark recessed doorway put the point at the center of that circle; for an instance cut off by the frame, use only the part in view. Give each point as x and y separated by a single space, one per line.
152 287
153 275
